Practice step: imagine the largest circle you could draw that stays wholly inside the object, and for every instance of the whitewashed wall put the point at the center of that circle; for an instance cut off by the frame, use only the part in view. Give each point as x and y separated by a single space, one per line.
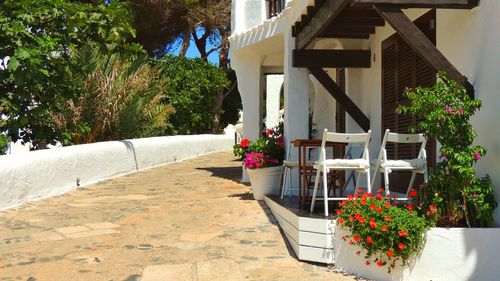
41 174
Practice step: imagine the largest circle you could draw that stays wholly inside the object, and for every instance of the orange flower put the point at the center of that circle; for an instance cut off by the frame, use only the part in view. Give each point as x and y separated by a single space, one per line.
387 205
401 246
351 218
384 228
379 263
432 208
369 240
389 253
403 233
361 220
373 224
413 193
388 218
379 209
428 213
372 207
356 238
341 221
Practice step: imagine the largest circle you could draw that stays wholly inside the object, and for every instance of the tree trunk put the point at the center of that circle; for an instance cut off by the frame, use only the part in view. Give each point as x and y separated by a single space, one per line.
223 64
186 41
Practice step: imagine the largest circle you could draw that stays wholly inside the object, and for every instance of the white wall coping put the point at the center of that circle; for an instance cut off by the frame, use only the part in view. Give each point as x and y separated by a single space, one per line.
45 173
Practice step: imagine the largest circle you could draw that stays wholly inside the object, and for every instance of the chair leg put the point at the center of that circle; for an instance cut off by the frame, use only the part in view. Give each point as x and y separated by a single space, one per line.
426 176
357 182
290 183
283 185
315 190
412 180
375 173
325 190
386 182
368 185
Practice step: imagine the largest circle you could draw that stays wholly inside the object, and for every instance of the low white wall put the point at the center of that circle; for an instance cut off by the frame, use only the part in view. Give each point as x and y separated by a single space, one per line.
449 254
41 174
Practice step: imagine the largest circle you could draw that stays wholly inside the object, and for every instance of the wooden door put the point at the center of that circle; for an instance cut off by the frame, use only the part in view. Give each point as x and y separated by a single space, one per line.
402 68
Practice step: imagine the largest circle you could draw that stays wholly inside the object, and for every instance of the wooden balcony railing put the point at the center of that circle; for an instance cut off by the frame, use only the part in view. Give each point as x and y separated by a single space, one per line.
275 7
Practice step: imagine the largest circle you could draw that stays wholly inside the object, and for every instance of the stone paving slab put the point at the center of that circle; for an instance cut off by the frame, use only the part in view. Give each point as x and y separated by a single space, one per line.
187 221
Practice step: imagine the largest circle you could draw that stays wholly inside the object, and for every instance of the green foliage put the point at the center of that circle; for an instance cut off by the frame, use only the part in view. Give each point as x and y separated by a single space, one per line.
4 141
388 231
37 37
121 97
444 111
192 88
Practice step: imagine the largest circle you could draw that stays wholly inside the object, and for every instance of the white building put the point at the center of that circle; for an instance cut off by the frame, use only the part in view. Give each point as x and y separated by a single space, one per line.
371 50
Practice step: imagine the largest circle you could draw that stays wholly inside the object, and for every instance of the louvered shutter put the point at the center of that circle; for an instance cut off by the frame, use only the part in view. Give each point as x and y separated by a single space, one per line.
402 68
340 110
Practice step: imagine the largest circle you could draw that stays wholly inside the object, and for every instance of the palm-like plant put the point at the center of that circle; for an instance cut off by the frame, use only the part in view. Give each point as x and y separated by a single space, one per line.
120 98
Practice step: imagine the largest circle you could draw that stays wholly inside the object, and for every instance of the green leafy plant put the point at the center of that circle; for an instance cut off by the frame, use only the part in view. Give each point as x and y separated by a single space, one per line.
388 230
444 111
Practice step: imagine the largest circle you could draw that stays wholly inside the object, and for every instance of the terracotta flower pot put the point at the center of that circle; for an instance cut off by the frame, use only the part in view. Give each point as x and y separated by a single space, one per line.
265 181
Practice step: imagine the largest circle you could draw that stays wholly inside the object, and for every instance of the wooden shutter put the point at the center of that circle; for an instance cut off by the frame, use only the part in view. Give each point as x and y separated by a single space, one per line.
340 110
402 68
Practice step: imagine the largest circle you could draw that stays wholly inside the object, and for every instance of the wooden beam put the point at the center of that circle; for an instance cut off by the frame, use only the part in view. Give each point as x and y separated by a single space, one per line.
345 35
341 97
359 13
417 40
332 58
443 4
344 21
323 17
350 29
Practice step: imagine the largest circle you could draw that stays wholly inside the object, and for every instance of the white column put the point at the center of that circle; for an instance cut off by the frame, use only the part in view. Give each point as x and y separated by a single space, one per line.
249 73
296 86
273 89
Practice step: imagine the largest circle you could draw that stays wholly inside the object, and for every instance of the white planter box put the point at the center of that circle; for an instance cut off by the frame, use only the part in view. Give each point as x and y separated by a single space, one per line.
449 254
265 181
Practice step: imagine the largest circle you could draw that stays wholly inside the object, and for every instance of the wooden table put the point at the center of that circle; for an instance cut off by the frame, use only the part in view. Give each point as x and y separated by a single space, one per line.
306 170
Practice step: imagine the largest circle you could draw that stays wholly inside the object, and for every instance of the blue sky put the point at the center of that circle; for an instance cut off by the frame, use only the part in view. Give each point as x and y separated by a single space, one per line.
193 51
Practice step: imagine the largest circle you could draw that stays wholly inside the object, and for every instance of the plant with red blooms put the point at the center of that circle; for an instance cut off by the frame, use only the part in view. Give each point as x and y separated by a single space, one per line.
266 151
388 230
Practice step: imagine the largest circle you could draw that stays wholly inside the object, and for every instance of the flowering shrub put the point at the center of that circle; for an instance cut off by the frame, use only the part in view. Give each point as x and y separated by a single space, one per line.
444 111
387 230
266 151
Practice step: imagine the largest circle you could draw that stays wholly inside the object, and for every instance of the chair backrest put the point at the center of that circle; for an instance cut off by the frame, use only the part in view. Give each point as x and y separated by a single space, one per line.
406 139
363 139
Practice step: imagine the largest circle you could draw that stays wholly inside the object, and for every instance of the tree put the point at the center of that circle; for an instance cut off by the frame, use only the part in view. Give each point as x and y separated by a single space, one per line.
193 85
38 37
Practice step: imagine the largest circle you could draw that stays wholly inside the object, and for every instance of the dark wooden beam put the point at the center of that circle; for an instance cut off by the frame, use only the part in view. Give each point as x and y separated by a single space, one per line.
350 29
417 40
344 21
323 17
341 97
359 13
345 35
441 4
332 58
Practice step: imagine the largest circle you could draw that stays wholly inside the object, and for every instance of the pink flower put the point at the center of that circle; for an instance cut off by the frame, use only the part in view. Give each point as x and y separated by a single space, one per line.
269 132
448 109
460 111
477 156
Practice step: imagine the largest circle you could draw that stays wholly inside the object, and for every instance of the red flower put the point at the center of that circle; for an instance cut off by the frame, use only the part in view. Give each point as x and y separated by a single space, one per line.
280 144
387 205
379 263
380 190
378 197
428 213
356 238
403 233
244 143
389 253
363 201
401 246
339 212
379 209
351 218
357 216
361 220
373 224
388 218
369 240
349 197
384 228
410 207
341 221
432 208
269 132
372 207
413 193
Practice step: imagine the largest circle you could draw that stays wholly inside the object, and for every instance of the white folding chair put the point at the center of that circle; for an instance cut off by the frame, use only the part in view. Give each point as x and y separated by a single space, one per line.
287 175
324 165
415 166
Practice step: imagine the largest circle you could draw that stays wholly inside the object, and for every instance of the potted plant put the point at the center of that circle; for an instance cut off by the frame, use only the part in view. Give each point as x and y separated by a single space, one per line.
263 159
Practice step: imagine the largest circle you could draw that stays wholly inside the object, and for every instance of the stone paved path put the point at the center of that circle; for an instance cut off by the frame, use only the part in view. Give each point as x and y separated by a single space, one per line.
186 221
